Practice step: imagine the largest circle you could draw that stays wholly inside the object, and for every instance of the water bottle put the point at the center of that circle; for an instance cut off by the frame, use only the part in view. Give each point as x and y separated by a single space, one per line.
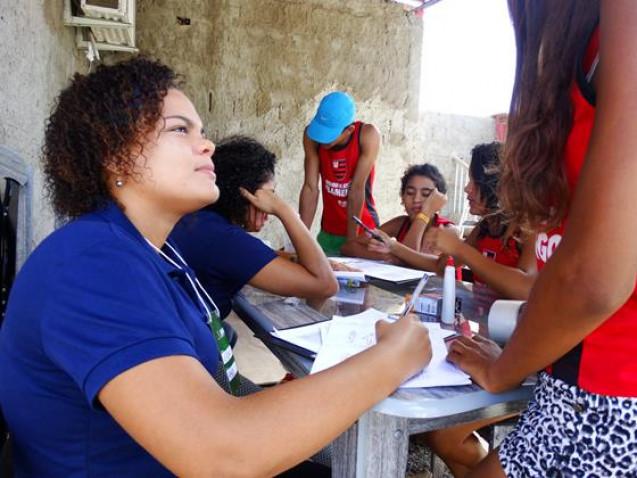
449 293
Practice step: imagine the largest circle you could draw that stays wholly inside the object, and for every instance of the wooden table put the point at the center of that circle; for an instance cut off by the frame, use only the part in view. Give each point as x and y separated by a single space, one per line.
376 445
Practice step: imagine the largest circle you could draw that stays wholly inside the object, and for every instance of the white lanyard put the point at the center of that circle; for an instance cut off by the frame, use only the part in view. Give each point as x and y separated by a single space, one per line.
196 285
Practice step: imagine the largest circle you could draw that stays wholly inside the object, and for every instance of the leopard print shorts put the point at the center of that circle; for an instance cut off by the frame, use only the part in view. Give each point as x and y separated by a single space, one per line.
567 433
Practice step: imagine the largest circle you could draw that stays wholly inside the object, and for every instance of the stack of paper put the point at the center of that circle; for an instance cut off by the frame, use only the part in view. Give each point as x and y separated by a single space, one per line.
308 336
381 270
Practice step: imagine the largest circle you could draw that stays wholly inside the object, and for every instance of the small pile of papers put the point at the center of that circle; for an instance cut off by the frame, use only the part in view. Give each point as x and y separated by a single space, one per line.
338 339
381 270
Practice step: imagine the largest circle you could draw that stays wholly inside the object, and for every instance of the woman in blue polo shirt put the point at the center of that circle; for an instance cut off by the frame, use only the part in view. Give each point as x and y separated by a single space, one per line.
216 243
106 351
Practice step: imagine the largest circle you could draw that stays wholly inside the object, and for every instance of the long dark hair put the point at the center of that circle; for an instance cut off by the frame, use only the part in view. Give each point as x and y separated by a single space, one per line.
550 38
485 173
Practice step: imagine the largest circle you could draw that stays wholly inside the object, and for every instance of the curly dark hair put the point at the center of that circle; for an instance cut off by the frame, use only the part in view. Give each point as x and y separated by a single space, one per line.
427 170
99 121
485 171
240 161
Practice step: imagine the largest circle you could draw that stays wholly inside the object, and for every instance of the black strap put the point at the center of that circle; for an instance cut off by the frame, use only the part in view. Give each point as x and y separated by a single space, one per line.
8 241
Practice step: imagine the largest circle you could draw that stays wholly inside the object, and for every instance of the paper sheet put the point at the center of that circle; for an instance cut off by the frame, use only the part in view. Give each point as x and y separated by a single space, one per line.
308 336
350 335
381 270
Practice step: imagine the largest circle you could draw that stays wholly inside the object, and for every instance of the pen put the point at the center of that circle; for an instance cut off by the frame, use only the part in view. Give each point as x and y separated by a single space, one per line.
421 285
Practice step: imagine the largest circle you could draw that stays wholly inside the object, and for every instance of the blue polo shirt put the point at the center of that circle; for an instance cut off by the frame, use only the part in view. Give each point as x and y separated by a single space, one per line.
93 300
223 255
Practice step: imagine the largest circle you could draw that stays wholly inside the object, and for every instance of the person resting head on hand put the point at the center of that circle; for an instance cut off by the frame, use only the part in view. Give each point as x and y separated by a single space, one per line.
423 194
216 243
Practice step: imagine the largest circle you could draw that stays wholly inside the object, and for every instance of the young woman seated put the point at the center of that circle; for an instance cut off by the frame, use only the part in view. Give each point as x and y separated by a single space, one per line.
216 243
110 344
497 252
500 256
422 193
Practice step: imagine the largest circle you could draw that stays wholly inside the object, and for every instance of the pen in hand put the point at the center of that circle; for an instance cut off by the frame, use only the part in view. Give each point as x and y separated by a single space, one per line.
417 291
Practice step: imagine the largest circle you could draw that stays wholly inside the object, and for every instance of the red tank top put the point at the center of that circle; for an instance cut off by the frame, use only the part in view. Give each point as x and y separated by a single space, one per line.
605 361
492 247
337 169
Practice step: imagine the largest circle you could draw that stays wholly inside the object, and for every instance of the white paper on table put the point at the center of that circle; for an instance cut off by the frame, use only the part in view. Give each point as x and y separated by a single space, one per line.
381 270
308 336
350 335
439 372
347 336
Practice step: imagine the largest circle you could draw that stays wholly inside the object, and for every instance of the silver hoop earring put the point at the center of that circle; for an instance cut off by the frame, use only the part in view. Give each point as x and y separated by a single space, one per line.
119 183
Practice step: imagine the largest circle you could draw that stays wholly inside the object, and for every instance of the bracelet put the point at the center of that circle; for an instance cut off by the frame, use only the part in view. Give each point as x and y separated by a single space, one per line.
423 217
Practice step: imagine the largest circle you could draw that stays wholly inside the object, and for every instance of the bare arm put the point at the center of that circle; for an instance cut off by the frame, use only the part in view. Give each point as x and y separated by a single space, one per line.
312 277
511 282
174 409
310 189
596 257
358 247
415 259
370 146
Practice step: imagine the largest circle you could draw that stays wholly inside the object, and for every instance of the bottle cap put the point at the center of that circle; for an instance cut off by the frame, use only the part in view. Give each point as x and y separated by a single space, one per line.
450 261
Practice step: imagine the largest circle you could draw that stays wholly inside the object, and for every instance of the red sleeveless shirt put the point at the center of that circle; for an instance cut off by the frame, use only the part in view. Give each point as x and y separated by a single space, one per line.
337 169
605 362
492 247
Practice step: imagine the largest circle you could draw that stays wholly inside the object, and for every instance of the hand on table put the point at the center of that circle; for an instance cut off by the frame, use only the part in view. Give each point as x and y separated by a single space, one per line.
339 266
474 356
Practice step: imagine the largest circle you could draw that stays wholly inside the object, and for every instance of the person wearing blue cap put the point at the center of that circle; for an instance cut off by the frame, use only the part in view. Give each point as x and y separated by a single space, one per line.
342 152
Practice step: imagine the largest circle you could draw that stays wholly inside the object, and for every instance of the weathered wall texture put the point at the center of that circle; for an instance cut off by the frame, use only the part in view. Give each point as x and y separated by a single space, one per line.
260 68
38 56
256 67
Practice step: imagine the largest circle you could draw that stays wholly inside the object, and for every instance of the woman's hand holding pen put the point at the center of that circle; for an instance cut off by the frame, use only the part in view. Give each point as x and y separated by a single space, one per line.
407 337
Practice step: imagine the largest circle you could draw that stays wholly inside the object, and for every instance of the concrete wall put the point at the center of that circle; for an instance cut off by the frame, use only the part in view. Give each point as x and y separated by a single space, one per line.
257 67
37 56
260 68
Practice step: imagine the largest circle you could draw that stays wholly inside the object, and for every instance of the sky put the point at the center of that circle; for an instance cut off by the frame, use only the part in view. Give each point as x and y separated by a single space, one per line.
468 57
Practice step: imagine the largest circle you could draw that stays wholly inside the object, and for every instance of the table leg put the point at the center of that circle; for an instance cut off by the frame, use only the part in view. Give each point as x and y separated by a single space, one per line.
382 446
344 453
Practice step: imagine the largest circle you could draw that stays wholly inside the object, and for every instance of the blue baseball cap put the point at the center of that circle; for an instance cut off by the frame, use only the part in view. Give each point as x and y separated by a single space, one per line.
335 113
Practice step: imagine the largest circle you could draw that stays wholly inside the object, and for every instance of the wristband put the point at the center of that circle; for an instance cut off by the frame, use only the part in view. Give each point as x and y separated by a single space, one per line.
423 217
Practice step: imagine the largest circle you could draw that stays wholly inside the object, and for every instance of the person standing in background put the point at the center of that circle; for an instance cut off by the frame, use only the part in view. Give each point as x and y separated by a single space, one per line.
342 152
